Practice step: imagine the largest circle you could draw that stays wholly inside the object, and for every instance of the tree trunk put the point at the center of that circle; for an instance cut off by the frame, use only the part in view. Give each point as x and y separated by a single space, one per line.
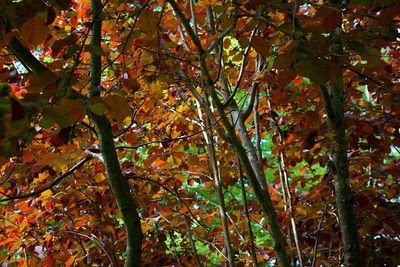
118 183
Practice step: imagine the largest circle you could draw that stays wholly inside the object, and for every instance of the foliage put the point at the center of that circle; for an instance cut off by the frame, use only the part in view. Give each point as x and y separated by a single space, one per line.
270 58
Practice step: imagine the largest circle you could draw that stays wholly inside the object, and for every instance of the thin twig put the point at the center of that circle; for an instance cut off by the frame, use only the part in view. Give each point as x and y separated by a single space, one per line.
367 77
318 234
241 71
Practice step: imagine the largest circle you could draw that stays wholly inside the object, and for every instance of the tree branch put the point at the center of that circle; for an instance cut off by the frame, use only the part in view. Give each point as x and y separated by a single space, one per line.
31 63
187 26
51 185
380 84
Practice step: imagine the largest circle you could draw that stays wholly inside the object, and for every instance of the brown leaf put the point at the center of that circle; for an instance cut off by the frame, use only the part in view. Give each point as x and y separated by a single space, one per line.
260 45
34 31
117 107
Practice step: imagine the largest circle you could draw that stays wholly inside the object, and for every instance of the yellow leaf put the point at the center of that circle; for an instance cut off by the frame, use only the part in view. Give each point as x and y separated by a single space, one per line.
99 177
146 58
155 88
59 165
211 2
46 193
178 160
149 22
41 177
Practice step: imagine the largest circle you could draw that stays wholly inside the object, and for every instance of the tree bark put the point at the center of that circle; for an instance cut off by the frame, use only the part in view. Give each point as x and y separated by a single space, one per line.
118 183
333 97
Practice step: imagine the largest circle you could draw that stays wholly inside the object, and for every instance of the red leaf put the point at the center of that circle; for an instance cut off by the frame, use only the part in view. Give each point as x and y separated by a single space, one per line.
298 80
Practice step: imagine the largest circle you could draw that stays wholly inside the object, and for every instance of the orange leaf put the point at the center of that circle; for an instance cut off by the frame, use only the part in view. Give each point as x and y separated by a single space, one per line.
28 156
6 241
157 162
70 261
22 263
48 261
23 206
80 224
278 17
208 185
74 108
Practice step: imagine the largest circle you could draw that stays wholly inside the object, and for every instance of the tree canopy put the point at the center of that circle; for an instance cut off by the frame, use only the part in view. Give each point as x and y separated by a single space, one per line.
199 133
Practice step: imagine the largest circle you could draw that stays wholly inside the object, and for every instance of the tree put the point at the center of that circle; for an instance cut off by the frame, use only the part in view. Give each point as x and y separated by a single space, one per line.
134 128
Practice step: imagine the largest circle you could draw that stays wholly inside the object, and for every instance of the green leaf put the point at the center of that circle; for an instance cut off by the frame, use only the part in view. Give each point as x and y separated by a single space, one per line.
97 108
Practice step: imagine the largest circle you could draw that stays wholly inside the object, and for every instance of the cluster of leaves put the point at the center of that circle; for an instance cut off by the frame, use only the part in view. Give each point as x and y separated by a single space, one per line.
56 204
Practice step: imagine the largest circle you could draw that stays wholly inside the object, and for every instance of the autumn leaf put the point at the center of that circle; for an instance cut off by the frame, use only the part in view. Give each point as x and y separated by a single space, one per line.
34 31
261 45
174 114
46 159
117 107
70 261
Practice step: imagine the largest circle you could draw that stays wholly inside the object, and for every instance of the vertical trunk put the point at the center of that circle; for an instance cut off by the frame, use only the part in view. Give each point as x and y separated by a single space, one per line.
333 98
118 183
334 106
217 178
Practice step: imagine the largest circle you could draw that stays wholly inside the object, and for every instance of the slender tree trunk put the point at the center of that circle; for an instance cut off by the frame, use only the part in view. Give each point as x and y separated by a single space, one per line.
118 183
333 98
217 180
209 138
334 106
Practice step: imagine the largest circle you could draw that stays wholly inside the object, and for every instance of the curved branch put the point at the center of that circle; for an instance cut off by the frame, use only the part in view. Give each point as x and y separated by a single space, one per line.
241 71
227 31
31 63
51 185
